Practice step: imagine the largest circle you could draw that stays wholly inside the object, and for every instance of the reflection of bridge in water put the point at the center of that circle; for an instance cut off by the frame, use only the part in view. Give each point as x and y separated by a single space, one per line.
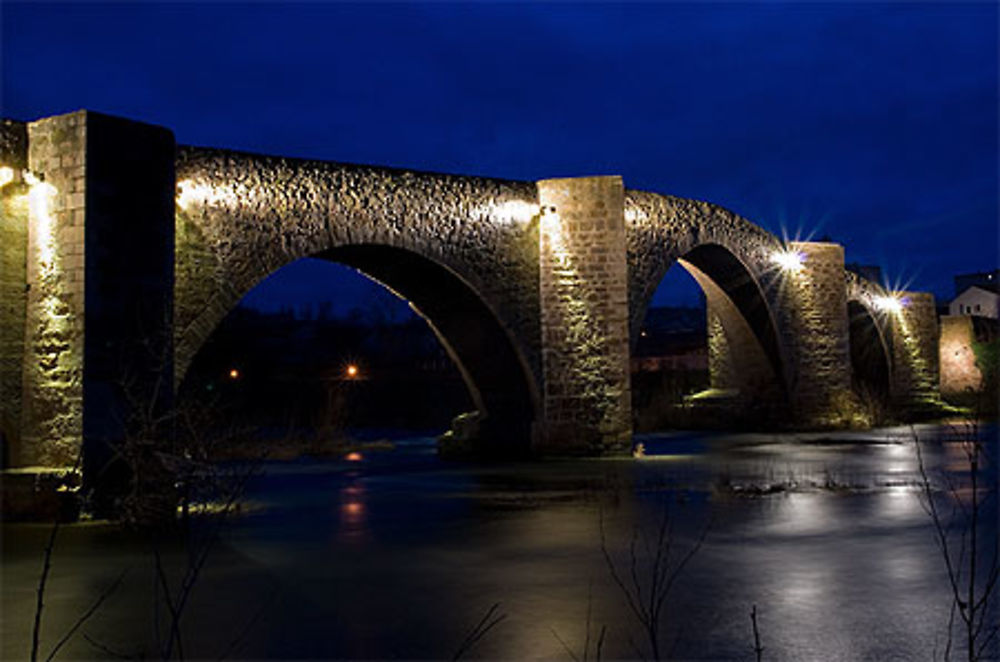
133 249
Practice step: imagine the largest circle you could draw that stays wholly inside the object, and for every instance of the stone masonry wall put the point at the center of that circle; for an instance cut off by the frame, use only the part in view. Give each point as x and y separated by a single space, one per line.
660 229
13 296
959 372
815 333
736 360
241 217
584 315
52 417
915 379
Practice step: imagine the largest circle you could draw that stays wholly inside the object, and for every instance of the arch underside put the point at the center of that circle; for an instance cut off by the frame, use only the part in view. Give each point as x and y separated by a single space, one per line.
495 374
458 248
744 357
494 371
727 282
870 353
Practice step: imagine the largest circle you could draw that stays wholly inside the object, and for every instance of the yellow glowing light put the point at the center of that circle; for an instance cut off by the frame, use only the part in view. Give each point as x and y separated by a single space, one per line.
190 192
550 219
353 456
889 304
635 215
509 211
788 260
352 371
40 196
6 175
234 374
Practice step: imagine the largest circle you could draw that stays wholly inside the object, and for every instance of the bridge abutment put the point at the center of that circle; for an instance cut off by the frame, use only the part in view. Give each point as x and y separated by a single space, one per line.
99 274
583 293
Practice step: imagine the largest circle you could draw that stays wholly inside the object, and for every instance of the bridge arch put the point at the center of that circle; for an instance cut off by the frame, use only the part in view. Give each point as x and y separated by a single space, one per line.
242 217
534 255
730 259
871 356
871 338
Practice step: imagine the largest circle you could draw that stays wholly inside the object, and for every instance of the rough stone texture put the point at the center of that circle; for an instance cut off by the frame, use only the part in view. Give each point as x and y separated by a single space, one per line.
814 331
13 144
660 229
736 360
915 336
959 372
241 217
13 296
554 312
868 294
584 315
52 419
724 251
863 296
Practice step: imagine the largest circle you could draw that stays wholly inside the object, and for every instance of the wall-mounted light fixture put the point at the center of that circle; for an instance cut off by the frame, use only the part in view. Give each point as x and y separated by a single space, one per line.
788 260
890 303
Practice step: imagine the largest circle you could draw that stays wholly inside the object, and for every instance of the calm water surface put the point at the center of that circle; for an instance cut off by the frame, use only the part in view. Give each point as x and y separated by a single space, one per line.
401 554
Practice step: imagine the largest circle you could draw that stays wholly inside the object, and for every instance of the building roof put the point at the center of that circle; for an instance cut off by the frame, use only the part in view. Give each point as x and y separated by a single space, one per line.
984 288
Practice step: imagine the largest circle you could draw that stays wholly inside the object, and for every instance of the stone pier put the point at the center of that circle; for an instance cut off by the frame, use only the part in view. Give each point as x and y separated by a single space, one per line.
814 328
583 295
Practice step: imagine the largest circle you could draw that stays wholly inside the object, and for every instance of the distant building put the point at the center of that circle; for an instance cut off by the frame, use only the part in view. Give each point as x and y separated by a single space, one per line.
672 338
977 301
987 280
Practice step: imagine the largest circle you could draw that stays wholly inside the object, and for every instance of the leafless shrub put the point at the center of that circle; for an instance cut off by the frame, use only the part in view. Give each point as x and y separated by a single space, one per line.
36 630
598 645
758 650
653 567
489 621
962 535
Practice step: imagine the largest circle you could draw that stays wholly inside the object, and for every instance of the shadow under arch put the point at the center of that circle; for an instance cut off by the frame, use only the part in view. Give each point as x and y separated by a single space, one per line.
870 351
495 372
736 298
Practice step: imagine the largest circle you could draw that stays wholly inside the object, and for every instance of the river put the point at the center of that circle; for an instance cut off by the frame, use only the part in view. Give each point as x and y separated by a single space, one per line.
400 555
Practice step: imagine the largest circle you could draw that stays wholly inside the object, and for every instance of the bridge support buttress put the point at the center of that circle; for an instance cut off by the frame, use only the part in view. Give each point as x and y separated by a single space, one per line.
583 297
98 249
914 381
813 325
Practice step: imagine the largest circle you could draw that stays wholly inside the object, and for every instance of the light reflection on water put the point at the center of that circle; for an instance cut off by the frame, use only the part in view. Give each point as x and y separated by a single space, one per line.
401 555
352 522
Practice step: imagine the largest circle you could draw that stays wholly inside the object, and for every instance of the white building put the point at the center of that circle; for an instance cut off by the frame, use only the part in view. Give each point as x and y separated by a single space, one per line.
977 301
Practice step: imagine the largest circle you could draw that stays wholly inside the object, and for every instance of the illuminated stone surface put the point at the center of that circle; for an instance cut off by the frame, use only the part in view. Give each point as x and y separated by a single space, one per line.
584 315
538 310
13 296
52 416
959 372
915 333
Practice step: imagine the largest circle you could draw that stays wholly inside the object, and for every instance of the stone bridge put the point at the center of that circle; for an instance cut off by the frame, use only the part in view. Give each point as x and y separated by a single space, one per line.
122 251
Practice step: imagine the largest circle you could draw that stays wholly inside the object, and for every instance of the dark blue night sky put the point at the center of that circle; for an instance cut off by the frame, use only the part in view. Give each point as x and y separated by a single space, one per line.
875 125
